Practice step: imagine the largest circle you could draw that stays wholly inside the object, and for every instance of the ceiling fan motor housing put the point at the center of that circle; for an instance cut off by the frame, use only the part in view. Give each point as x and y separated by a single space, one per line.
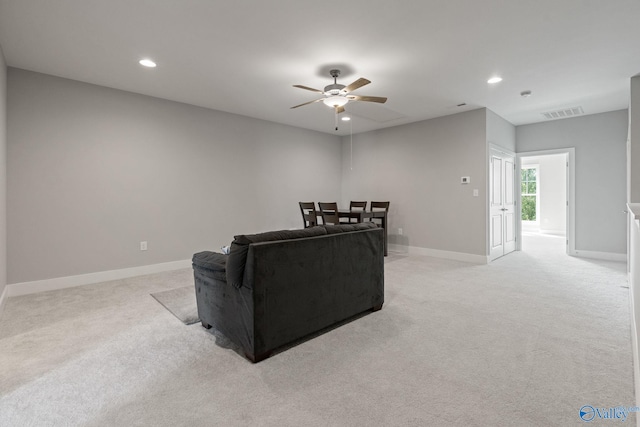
333 89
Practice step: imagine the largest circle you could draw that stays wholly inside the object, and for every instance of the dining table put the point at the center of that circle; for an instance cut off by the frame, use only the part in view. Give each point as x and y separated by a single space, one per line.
362 216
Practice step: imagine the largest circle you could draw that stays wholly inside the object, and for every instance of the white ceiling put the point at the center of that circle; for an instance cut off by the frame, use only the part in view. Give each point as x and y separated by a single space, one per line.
426 56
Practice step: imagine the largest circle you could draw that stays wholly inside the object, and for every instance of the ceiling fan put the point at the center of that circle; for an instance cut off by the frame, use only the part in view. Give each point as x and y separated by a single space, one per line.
338 95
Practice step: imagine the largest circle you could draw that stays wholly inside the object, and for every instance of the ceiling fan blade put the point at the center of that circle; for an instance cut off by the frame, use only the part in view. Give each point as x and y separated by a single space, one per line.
307 103
340 110
357 84
380 99
308 88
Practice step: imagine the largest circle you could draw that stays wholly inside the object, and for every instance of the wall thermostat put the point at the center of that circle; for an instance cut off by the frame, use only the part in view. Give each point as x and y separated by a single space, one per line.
465 180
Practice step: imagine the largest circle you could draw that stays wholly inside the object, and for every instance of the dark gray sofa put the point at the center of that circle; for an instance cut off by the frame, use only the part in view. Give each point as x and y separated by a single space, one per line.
278 287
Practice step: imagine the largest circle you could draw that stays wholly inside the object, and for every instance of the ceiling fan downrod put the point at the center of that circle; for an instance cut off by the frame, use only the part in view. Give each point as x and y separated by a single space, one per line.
335 88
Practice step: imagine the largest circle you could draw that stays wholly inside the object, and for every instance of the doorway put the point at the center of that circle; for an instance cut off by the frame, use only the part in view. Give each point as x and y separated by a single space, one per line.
546 200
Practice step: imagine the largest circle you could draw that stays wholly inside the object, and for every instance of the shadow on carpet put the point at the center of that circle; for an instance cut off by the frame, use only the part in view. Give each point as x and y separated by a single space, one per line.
181 302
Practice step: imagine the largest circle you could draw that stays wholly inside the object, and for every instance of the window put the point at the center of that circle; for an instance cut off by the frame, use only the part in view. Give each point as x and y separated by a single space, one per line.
529 191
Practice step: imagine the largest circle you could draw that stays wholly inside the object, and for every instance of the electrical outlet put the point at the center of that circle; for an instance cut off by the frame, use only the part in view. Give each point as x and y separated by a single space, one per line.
475 192
143 246
400 231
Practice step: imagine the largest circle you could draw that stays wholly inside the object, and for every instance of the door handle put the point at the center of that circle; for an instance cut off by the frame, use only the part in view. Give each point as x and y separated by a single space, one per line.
504 209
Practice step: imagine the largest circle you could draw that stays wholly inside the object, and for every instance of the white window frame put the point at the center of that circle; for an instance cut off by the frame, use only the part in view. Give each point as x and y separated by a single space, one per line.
532 224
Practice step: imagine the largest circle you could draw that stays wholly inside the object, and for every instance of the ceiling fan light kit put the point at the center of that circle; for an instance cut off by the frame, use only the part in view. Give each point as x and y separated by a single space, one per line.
335 101
337 95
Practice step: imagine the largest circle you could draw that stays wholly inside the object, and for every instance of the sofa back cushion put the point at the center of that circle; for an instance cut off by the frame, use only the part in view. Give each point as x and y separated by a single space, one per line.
271 236
240 246
343 228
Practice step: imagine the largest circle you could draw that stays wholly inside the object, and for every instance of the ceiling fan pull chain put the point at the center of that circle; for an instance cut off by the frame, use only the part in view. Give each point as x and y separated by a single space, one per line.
336 110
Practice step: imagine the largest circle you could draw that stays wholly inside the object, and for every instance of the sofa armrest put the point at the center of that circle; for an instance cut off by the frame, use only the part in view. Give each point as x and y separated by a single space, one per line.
214 262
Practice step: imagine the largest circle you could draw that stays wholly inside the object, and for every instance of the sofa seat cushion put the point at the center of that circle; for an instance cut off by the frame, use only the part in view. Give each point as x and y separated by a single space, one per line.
240 246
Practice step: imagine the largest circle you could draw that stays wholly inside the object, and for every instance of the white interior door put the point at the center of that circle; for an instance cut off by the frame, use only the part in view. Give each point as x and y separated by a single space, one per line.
502 220
496 213
509 205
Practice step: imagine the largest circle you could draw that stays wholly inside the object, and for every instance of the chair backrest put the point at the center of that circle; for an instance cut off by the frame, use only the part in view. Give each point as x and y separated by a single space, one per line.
380 205
309 216
329 212
358 206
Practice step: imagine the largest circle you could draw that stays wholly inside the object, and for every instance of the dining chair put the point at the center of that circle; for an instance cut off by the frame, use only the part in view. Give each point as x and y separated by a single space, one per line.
381 206
378 206
309 214
357 206
329 211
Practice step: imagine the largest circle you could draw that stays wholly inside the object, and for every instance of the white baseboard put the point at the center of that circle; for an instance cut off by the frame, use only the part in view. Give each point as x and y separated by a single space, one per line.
436 253
24 288
557 233
605 256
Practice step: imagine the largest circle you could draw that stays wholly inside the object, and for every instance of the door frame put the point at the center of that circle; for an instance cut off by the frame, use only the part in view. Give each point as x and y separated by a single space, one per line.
571 195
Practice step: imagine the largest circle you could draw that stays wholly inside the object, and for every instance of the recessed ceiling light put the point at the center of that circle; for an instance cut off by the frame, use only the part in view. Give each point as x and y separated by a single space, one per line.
346 119
147 63
494 80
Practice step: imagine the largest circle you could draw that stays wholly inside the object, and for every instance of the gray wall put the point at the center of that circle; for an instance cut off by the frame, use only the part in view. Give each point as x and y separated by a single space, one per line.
634 142
93 171
633 196
417 167
600 147
500 132
3 172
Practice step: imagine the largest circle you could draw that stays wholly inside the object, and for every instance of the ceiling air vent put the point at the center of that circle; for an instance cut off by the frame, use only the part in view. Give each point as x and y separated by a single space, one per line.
564 113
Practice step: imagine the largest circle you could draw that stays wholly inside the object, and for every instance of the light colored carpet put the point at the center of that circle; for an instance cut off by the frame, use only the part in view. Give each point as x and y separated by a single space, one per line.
524 341
181 302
